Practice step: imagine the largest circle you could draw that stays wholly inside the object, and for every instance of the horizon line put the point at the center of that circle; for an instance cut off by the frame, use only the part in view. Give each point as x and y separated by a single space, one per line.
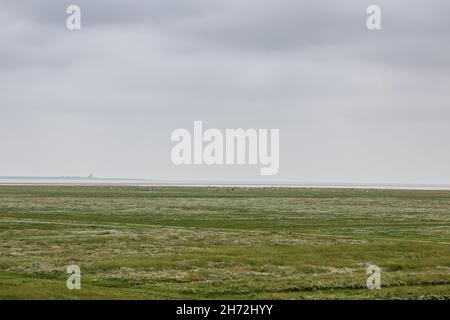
99 181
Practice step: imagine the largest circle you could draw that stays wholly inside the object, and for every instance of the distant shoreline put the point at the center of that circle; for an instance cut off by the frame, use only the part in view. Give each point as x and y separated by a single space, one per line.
80 181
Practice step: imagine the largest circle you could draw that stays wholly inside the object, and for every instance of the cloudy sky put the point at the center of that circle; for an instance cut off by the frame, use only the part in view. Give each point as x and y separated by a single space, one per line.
352 105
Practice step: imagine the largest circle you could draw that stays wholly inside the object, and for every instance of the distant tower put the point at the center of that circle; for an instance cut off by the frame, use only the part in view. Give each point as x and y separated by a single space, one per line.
91 176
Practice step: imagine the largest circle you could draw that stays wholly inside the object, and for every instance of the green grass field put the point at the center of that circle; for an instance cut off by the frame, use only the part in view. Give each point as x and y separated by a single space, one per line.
230 243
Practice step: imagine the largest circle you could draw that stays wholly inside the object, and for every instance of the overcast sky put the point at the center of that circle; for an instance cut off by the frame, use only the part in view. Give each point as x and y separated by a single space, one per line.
352 105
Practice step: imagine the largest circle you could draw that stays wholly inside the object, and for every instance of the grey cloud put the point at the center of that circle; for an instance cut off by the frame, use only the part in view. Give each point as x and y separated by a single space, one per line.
106 98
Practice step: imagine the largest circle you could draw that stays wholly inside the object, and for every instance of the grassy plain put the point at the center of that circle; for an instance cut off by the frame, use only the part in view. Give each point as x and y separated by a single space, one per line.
210 243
